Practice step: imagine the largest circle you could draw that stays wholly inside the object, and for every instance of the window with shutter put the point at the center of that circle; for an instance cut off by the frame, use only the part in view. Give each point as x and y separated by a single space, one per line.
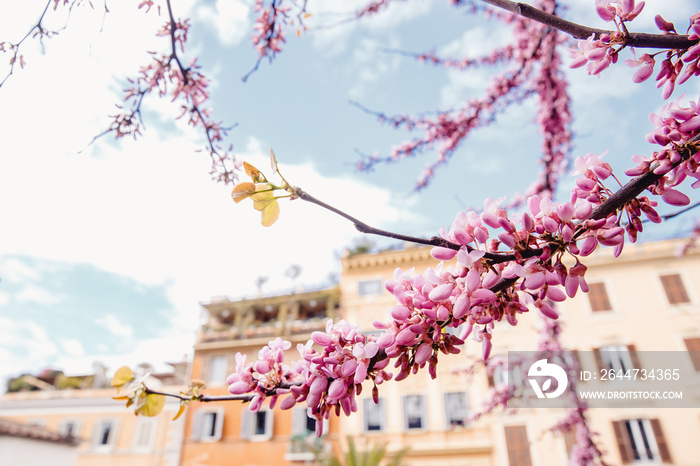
693 346
70 427
518 446
414 415
641 440
456 409
675 291
208 425
369 287
105 434
218 370
257 426
616 357
145 434
303 425
374 415
598 297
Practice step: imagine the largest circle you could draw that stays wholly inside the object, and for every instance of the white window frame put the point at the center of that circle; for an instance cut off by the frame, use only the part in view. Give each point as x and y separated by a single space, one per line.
249 424
218 370
77 424
374 287
452 408
202 428
112 436
300 428
422 412
369 408
636 430
143 423
616 357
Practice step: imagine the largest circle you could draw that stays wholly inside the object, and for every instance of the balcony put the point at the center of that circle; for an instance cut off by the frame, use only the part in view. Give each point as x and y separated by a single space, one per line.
306 448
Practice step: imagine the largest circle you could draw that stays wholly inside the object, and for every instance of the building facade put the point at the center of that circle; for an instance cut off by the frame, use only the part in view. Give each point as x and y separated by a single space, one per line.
648 299
31 444
108 433
216 433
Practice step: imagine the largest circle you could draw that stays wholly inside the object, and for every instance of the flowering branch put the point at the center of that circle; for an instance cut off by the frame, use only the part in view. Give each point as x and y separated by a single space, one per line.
578 31
168 74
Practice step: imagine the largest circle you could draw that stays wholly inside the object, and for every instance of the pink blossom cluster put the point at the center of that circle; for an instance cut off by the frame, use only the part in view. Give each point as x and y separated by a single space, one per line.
671 72
597 54
168 75
624 10
269 33
328 381
677 129
264 377
534 69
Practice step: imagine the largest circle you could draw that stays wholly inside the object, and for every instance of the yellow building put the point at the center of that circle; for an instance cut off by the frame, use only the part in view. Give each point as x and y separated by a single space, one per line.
225 432
109 433
646 300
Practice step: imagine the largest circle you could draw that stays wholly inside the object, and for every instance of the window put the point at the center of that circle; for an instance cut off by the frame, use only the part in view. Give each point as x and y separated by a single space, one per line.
374 415
369 287
598 297
641 441
303 425
518 446
208 424
675 291
105 434
145 433
257 426
70 427
617 358
218 370
693 345
456 409
414 415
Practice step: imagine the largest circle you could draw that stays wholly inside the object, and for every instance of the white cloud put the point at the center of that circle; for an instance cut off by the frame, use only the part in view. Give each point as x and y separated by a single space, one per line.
73 347
16 271
338 23
115 326
462 85
24 346
230 18
35 294
155 351
372 64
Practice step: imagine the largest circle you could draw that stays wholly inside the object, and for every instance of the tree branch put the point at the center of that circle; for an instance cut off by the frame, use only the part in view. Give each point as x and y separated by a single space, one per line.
578 31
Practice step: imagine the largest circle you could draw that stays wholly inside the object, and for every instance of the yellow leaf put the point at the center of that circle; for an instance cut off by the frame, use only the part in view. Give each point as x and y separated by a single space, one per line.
242 191
264 201
307 15
253 172
263 196
181 410
152 406
270 213
122 376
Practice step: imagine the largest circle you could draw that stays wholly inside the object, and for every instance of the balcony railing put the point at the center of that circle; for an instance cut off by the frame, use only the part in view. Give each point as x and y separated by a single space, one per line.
306 448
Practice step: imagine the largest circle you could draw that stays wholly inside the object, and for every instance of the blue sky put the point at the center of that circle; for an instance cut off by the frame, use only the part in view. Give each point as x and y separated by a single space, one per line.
106 254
